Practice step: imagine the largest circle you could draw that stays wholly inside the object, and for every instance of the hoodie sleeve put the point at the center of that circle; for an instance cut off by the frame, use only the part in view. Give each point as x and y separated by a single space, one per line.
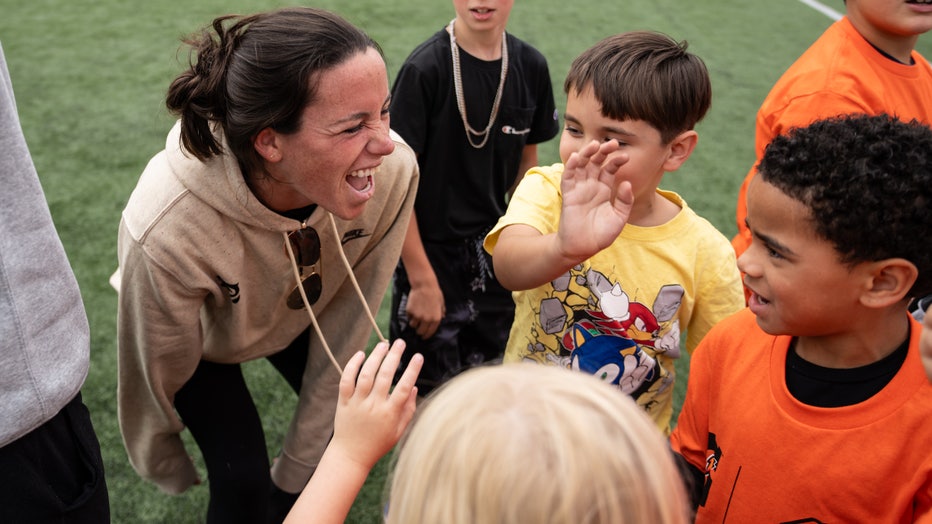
159 341
345 325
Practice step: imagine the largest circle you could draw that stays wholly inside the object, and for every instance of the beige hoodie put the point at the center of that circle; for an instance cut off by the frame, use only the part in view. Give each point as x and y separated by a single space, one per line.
204 274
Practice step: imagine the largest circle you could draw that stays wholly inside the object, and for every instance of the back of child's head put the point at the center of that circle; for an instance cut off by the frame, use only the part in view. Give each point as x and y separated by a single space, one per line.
645 75
867 181
521 443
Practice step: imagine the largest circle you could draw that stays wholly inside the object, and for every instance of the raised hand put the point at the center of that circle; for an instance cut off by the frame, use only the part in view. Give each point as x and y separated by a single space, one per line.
596 204
371 416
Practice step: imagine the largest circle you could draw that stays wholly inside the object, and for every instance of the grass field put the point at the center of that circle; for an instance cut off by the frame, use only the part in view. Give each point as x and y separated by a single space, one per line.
90 78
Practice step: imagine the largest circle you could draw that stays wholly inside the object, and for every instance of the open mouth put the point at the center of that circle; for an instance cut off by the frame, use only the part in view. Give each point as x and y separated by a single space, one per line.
757 299
361 180
923 2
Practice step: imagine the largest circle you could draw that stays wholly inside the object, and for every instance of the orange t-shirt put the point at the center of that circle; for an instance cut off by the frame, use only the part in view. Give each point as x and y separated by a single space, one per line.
840 73
770 458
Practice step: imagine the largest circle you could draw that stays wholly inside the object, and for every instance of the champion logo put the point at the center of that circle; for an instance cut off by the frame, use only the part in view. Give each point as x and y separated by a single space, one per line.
508 130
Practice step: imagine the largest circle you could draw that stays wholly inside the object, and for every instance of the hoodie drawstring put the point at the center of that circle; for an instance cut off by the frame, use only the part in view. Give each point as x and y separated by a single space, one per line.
307 305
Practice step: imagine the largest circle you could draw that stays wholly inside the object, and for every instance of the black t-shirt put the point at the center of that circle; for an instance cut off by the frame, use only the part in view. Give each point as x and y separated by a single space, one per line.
462 190
830 388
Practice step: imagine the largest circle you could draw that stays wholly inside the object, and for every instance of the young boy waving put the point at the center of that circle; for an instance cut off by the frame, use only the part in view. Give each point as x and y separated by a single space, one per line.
609 269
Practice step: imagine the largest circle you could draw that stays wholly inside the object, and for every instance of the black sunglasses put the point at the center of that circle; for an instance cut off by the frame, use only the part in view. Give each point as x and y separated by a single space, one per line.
305 243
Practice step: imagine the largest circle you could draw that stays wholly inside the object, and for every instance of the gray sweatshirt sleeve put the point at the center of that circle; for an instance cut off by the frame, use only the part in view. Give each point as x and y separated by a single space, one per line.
44 334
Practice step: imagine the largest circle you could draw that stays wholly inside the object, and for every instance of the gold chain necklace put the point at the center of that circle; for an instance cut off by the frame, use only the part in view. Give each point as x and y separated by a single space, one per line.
458 87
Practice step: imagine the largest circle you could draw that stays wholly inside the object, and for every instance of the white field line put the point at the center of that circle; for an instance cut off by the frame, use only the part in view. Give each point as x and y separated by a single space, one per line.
825 10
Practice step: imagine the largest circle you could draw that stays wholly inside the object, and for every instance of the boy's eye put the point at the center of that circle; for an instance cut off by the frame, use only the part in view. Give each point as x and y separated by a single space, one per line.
572 130
772 253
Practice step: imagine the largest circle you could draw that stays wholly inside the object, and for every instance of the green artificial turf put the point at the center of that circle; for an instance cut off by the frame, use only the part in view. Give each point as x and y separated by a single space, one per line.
90 77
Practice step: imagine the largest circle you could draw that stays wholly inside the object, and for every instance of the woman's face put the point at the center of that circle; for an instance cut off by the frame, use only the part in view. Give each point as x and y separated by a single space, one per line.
333 158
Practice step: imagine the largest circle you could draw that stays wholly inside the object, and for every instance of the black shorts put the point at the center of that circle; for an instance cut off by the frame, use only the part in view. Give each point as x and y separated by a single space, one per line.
479 314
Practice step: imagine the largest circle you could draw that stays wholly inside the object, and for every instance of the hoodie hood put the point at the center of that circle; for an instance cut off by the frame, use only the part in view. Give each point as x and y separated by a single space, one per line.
220 183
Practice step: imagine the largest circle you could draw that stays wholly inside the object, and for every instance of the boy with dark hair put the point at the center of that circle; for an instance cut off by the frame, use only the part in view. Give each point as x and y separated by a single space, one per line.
812 404
589 295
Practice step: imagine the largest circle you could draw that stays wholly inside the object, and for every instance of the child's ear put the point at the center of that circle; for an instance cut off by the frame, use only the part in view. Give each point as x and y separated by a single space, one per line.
680 148
889 282
266 144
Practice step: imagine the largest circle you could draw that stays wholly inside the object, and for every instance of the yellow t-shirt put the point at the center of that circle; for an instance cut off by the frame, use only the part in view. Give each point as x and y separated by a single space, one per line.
620 314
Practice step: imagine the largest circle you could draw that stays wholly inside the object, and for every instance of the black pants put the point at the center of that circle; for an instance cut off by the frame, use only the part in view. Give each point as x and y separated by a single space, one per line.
54 474
218 410
479 314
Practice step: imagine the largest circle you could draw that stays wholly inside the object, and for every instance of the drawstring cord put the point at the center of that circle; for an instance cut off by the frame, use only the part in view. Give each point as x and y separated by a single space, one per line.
349 270
307 305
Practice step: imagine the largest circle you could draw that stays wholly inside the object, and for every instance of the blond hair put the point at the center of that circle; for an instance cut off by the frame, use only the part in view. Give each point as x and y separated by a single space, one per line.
529 443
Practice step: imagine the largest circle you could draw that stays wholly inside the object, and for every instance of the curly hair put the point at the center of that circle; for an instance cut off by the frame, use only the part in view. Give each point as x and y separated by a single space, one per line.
867 181
645 75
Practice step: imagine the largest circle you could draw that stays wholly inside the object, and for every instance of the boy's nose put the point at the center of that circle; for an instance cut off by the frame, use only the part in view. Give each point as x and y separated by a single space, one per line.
746 263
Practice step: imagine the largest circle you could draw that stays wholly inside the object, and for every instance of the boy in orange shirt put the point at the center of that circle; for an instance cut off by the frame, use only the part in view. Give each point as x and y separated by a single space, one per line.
812 405
864 63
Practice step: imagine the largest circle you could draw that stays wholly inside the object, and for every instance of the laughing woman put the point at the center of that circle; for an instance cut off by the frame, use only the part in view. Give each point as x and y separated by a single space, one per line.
268 227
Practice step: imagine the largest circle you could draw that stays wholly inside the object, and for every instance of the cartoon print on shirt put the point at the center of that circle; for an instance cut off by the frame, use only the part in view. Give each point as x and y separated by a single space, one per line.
592 324
614 359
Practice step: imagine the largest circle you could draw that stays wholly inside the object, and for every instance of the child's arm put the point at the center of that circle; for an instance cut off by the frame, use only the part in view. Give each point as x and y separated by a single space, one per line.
595 208
693 479
369 421
425 306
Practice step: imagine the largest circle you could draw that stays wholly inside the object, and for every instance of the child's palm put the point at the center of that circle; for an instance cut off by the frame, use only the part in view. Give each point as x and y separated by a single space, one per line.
595 207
